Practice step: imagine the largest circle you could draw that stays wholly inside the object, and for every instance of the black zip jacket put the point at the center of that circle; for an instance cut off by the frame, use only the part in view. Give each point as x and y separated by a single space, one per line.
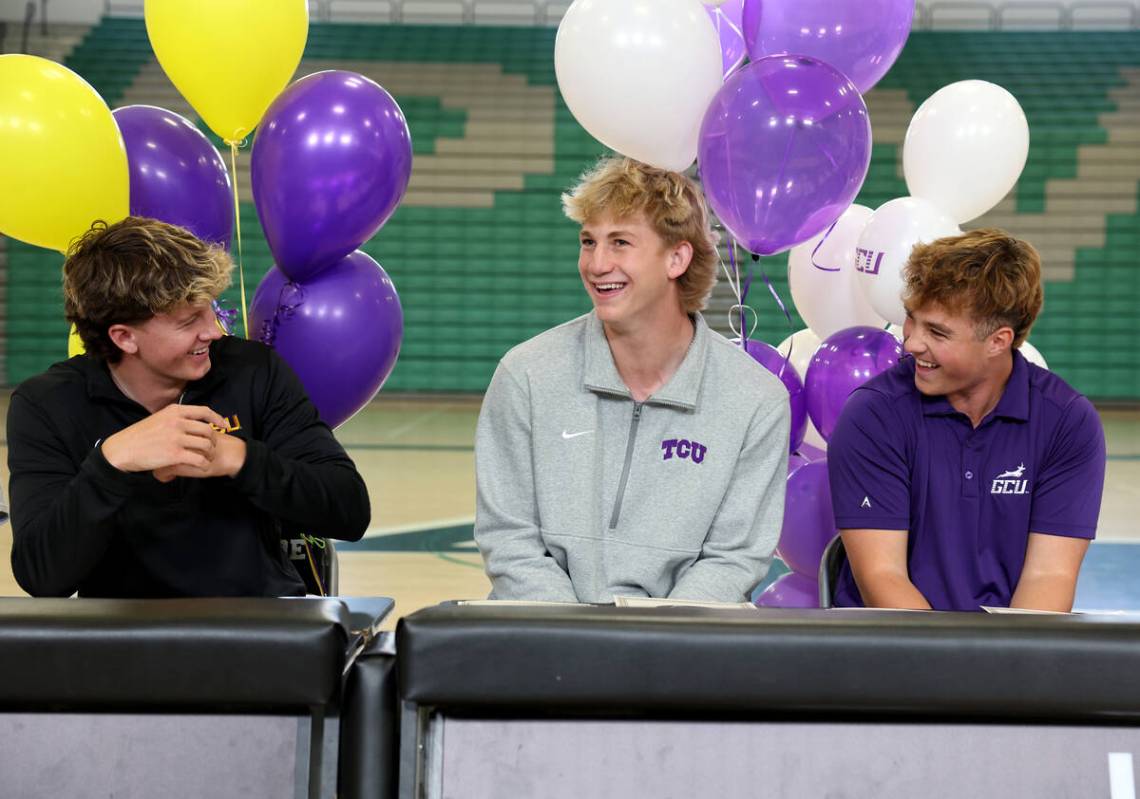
80 524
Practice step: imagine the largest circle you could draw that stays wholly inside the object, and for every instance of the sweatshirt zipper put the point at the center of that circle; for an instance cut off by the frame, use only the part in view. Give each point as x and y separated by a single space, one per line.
628 462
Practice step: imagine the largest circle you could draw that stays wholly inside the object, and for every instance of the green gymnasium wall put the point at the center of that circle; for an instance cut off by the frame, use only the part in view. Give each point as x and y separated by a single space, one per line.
476 280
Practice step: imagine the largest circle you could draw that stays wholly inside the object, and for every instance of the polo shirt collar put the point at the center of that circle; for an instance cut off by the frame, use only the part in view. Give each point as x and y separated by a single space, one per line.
1014 402
683 390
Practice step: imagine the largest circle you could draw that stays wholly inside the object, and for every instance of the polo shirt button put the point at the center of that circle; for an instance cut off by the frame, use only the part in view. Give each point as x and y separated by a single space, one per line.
969 475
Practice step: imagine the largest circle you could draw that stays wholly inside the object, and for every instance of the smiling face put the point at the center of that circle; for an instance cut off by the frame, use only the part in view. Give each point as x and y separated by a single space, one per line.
630 272
950 358
172 347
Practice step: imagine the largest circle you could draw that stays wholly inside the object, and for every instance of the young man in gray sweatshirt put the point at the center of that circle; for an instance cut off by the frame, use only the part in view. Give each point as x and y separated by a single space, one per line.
632 451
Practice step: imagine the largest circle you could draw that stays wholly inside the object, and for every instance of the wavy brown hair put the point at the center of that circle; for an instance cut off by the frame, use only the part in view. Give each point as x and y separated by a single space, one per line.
986 273
672 205
127 272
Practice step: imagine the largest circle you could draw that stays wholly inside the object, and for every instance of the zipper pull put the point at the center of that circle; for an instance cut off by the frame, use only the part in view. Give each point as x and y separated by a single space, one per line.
637 410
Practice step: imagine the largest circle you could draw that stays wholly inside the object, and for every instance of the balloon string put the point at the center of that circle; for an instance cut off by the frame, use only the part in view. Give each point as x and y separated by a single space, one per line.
736 290
237 231
776 295
733 278
226 317
820 244
312 564
289 299
732 323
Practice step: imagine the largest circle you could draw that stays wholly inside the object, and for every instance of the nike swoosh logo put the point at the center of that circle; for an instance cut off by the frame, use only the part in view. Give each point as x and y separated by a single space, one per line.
566 435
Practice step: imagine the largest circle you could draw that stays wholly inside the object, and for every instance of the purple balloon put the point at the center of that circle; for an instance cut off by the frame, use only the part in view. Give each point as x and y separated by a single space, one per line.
340 331
727 18
783 149
809 452
844 361
770 358
795 461
809 521
331 161
860 39
790 591
176 174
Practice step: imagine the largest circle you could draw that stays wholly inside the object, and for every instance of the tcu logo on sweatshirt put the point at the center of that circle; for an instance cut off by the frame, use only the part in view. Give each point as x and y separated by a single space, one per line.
693 450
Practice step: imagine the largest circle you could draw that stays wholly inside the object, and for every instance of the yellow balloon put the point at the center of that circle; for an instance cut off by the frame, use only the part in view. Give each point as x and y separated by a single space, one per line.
61 154
229 58
74 343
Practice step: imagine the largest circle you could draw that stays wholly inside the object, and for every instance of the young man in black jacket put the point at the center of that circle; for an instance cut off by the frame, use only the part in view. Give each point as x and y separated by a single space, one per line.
164 461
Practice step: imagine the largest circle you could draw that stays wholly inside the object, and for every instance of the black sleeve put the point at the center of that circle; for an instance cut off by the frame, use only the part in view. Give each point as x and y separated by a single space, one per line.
62 511
297 471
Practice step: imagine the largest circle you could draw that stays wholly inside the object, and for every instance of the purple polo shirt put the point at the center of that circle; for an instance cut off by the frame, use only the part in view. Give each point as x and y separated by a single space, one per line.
899 460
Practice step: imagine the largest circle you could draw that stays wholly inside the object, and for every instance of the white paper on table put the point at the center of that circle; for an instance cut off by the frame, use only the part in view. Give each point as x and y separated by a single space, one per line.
511 603
653 602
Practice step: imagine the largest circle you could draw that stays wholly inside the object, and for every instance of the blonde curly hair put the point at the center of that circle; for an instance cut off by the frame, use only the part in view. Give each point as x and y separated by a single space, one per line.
127 272
671 203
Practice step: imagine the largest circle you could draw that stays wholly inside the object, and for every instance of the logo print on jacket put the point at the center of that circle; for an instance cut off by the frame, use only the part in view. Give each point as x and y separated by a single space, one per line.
1010 482
693 450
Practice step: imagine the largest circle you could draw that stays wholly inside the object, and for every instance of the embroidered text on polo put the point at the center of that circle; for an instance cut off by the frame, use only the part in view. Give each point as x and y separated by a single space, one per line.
1010 482
693 450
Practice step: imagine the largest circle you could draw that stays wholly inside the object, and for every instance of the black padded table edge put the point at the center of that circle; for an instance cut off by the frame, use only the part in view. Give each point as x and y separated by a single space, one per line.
369 724
770 663
77 654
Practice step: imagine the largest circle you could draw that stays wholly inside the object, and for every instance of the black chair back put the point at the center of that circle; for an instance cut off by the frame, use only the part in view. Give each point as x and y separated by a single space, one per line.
834 556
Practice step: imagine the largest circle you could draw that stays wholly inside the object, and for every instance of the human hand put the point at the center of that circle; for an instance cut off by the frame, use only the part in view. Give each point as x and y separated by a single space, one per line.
178 435
226 460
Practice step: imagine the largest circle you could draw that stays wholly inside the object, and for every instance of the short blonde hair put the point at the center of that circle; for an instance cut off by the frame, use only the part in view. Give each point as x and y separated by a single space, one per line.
986 273
672 204
127 272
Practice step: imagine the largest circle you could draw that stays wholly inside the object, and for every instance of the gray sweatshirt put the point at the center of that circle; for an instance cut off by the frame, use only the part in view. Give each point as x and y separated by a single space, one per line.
584 494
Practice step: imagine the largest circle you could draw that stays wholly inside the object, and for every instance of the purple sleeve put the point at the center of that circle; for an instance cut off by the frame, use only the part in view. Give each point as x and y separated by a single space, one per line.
867 466
1066 497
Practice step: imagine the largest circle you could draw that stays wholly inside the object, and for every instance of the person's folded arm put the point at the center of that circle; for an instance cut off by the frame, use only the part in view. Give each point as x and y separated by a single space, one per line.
1049 577
1066 505
879 564
868 466
737 551
62 512
297 471
506 515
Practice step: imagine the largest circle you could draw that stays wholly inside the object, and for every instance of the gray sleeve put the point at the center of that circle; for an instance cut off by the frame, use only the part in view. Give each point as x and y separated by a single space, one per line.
506 515
738 549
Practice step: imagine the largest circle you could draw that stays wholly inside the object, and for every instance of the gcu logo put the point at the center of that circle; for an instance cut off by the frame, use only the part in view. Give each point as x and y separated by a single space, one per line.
693 450
868 261
1010 482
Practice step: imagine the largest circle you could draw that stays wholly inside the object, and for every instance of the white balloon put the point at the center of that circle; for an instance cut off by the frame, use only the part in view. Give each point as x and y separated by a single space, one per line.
1032 354
638 75
822 280
896 331
885 245
965 148
803 344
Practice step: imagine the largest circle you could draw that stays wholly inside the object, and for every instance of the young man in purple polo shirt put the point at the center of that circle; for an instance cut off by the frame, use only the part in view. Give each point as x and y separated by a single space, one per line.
966 476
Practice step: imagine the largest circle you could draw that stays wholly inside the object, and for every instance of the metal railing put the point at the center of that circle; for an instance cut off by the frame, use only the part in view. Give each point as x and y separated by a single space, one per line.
29 15
1027 15
1127 11
936 15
